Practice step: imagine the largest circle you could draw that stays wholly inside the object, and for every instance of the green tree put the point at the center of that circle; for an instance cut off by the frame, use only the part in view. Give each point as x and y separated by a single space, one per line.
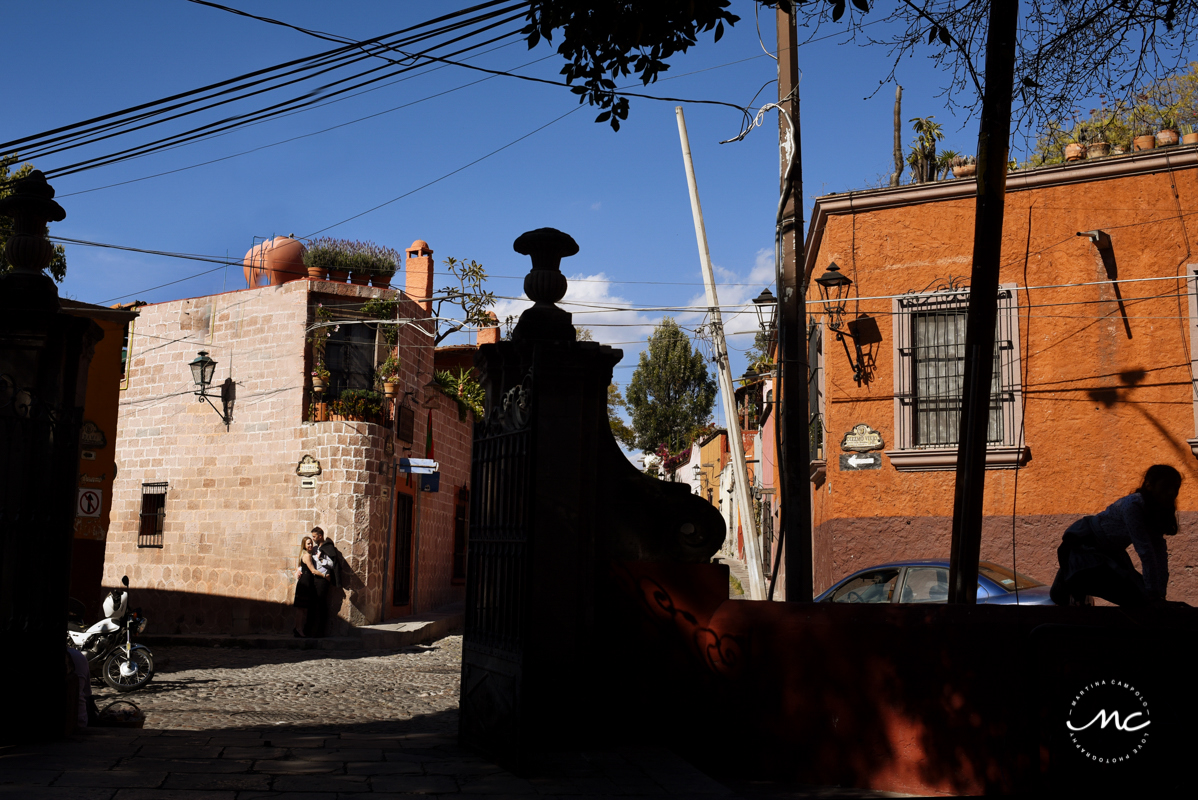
58 263
671 392
468 296
619 428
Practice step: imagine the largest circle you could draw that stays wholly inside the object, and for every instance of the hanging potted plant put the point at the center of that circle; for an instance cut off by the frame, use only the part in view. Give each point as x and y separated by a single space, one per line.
320 378
388 375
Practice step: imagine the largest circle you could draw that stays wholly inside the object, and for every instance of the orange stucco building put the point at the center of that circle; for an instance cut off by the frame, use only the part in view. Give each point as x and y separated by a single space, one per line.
1095 356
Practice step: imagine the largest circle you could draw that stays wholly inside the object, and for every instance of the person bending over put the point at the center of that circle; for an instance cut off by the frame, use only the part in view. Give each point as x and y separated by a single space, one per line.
1093 557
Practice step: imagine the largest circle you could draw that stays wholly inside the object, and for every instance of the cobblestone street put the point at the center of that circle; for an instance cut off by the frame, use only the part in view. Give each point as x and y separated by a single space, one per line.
226 723
216 688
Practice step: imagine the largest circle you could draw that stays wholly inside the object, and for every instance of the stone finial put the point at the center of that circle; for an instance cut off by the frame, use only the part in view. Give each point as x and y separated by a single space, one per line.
31 206
545 284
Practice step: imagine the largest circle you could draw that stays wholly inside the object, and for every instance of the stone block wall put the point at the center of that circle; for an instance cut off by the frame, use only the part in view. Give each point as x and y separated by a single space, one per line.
235 507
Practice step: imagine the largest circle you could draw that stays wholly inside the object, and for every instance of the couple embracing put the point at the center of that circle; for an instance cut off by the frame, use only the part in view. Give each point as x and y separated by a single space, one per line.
316 573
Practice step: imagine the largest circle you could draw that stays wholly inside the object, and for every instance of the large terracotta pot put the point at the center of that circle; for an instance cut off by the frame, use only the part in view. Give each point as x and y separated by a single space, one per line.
274 262
338 275
1075 152
285 260
965 170
359 278
1189 138
380 280
1145 142
1098 149
317 273
255 266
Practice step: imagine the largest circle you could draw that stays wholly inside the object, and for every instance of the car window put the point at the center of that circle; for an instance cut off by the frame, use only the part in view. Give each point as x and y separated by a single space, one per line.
925 585
1006 578
930 585
876 586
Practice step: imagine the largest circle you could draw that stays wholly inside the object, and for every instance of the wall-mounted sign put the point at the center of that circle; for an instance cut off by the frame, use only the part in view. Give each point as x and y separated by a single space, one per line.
430 482
859 461
386 493
307 467
88 455
389 447
862 438
91 479
88 503
418 466
307 483
90 435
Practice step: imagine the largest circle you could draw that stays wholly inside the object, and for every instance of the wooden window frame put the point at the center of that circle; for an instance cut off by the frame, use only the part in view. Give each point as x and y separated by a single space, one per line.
152 519
1012 451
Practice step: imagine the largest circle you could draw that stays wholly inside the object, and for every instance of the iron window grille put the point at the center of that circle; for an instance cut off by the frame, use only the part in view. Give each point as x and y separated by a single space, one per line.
153 514
929 337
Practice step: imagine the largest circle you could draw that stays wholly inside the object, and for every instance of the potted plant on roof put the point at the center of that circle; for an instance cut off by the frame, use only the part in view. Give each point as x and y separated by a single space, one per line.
1188 134
1167 135
388 375
385 263
1075 150
318 257
359 263
1144 139
358 405
965 166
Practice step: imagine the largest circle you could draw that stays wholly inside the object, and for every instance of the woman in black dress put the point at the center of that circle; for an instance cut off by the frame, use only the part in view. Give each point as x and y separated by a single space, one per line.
311 587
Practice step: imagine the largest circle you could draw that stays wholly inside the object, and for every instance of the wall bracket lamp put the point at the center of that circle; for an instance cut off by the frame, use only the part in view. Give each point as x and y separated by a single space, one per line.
834 289
202 370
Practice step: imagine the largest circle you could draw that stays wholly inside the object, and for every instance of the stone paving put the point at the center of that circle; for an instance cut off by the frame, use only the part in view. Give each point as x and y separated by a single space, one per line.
242 724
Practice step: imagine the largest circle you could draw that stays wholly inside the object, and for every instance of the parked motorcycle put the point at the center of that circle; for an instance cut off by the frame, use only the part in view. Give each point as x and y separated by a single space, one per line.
108 645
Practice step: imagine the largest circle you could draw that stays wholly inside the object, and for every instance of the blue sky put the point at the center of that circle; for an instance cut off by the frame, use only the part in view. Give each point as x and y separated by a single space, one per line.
621 195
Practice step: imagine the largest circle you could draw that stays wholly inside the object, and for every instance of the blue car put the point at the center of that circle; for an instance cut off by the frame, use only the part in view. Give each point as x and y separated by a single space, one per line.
927 582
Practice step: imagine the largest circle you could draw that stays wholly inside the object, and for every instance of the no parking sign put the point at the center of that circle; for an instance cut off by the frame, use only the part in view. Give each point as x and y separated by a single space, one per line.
88 503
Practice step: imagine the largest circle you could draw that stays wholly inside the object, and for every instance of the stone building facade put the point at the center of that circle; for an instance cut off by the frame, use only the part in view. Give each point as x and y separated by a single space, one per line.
207 521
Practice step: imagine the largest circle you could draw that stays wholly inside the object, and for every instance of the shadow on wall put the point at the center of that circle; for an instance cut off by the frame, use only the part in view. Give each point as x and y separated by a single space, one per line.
171 612
941 699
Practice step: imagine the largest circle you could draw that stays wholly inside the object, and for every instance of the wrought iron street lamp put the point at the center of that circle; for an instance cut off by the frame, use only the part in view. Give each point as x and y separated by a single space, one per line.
202 370
766 306
834 289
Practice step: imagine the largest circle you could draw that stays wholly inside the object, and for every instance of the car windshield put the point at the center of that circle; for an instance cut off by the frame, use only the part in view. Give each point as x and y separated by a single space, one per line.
1006 578
875 586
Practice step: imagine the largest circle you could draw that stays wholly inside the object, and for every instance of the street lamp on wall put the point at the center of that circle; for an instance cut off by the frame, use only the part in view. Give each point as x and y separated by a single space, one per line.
834 289
202 370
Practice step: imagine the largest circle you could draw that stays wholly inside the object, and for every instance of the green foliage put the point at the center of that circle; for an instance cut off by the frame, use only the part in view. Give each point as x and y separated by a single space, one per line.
58 262
606 40
361 404
619 428
348 255
468 295
382 308
462 387
671 392
922 158
760 355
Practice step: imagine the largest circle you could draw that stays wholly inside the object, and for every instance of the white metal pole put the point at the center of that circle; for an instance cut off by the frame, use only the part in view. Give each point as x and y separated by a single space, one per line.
735 441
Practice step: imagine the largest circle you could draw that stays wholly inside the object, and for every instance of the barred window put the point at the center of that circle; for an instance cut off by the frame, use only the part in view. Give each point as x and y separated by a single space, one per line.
929 368
153 514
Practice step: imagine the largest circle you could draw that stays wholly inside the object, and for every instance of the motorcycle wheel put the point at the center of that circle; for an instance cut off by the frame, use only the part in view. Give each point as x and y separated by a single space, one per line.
142 664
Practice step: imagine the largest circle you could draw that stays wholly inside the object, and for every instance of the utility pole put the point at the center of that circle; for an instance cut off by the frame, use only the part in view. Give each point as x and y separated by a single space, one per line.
736 442
792 405
993 144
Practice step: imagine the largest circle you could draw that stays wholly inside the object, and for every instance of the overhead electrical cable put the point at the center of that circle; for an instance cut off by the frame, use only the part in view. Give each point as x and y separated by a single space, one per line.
318 58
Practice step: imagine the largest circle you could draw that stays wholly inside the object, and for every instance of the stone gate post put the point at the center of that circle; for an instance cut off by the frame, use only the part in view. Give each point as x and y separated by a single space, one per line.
44 357
553 502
